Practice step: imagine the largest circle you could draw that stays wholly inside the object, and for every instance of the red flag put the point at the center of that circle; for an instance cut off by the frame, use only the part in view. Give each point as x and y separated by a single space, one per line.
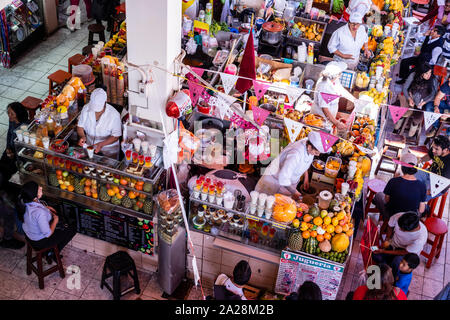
369 239
247 68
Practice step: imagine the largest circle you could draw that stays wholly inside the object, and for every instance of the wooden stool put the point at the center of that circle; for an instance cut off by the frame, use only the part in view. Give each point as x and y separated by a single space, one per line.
31 104
394 144
56 78
75 61
438 228
96 29
39 271
418 151
374 186
119 263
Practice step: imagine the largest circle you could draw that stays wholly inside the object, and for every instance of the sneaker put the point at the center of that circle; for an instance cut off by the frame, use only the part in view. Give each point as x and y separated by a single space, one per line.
12 244
431 133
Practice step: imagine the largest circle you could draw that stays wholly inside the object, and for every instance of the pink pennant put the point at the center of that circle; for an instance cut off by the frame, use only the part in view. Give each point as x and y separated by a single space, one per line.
328 97
402 163
328 140
205 96
397 112
260 115
195 91
260 88
288 106
198 71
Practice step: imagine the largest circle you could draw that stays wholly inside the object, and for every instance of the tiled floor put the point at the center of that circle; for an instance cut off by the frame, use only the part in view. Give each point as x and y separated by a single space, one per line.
29 78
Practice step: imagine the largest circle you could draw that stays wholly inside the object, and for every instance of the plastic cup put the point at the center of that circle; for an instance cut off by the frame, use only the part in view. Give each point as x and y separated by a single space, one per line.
26 137
49 159
135 156
344 188
19 134
46 142
153 151
262 199
309 85
219 200
148 161
252 209
33 139
128 155
141 159
270 201
261 210
379 72
90 152
144 146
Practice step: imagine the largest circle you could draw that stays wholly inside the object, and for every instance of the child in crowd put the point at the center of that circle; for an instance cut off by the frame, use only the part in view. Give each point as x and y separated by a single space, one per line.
402 268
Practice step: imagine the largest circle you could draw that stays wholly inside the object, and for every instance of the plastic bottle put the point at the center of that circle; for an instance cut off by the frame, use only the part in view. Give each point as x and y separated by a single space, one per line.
310 56
301 53
208 13
212 46
201 16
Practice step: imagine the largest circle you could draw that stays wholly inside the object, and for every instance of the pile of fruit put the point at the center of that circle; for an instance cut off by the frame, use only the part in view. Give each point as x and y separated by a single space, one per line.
387 47
363 132
314 120
377 31
311 32
378 97
344 147
119 40
324 232
362 80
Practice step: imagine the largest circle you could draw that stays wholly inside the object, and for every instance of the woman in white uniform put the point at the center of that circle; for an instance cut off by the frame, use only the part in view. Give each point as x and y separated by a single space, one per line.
361 6
284 172
100 126
346 42
329 82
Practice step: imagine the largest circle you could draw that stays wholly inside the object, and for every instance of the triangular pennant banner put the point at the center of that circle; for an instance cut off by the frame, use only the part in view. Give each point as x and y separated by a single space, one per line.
198 71
328 97
195 91
288 106
438 183
228 81
171 149
206 96
260 115
247 67
195 269
430 118
260 88
293 94
328 140
223 103
293 128
365 150
397 112
404 164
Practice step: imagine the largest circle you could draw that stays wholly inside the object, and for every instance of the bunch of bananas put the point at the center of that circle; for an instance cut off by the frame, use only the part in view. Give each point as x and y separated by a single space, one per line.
378 97
345 148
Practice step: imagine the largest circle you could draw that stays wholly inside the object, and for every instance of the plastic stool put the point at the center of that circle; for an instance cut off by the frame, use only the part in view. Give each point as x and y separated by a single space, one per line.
119 263
374 186
432 204
394 143
96 29
438 228
39 271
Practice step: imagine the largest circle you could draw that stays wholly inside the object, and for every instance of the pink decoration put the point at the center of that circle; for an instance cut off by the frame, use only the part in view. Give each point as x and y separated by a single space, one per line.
397 112
327 140
260 115
328 97
288 106
198 71
350 120
402 163
260 88
195 91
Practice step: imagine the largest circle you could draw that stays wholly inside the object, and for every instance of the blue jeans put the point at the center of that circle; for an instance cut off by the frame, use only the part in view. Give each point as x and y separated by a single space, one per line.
442 107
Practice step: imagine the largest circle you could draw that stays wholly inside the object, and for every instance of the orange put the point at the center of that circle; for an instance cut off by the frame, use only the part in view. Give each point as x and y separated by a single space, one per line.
87 189
140 204
123 182
87 183
313 233
63 186
318 221
140 183
142 196
327 236
70 188
88 194
138 187
111 192
306 234
345 228
338 229
330 229
95 195
59 172
115 189
342 223
327 220
119 196
307 217
349 232
132 195
320 237
335 221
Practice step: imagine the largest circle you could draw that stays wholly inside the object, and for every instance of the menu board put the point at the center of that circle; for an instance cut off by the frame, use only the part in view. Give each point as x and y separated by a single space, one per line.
123 230
296 268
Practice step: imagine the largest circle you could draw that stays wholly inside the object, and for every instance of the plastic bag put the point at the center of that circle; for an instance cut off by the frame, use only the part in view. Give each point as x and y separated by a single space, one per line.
284 208
168 201
189 144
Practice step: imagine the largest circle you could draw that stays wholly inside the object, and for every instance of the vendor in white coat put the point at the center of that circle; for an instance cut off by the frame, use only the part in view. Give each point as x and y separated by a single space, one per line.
284 172
346 42
100 126
329 82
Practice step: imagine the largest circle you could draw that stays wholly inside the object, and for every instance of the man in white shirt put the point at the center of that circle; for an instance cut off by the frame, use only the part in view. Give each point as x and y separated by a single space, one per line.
430 52
346 42
284 172
406 234
100 125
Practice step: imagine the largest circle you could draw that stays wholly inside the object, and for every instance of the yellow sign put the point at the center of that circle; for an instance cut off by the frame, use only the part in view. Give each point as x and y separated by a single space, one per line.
200 26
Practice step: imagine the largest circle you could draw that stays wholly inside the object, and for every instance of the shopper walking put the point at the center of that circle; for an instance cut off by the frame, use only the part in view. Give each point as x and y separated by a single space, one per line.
429 53
41 221
419 89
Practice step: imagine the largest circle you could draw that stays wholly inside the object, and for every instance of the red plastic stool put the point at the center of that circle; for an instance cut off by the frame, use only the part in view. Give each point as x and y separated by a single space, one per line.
374 186
433 203
438 228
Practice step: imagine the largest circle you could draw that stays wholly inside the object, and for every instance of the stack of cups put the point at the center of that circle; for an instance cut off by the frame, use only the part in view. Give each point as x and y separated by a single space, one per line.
254 196
269 206
261 204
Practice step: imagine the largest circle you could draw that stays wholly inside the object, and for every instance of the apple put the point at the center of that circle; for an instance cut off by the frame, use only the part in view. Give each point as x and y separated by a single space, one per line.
123 192
60 181
65 174
116 180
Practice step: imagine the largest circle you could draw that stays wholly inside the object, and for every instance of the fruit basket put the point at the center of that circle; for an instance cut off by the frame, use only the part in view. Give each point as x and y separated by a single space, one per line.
314 120
332 167
305 30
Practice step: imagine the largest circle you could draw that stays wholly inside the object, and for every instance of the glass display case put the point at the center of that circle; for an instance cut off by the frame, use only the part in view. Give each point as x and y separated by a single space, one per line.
58 164
241 226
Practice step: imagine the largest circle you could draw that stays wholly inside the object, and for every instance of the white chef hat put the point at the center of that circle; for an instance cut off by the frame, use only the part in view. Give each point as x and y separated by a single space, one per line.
356 17
316 141
98 99
334 68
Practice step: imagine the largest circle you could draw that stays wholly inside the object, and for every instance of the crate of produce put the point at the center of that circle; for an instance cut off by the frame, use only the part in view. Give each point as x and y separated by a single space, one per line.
308 31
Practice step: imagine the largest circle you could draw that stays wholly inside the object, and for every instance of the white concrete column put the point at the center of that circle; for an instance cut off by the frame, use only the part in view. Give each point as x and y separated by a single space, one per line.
153 38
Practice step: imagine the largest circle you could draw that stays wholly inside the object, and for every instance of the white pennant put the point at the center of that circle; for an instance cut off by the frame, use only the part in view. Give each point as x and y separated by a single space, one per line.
430 118
293 128
195 269
223 103
438 183
228 81
171 149
294 93
365 150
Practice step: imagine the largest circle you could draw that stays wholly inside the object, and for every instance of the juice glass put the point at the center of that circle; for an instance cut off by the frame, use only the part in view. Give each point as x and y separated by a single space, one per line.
135 156
148 161
141 159
128 155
